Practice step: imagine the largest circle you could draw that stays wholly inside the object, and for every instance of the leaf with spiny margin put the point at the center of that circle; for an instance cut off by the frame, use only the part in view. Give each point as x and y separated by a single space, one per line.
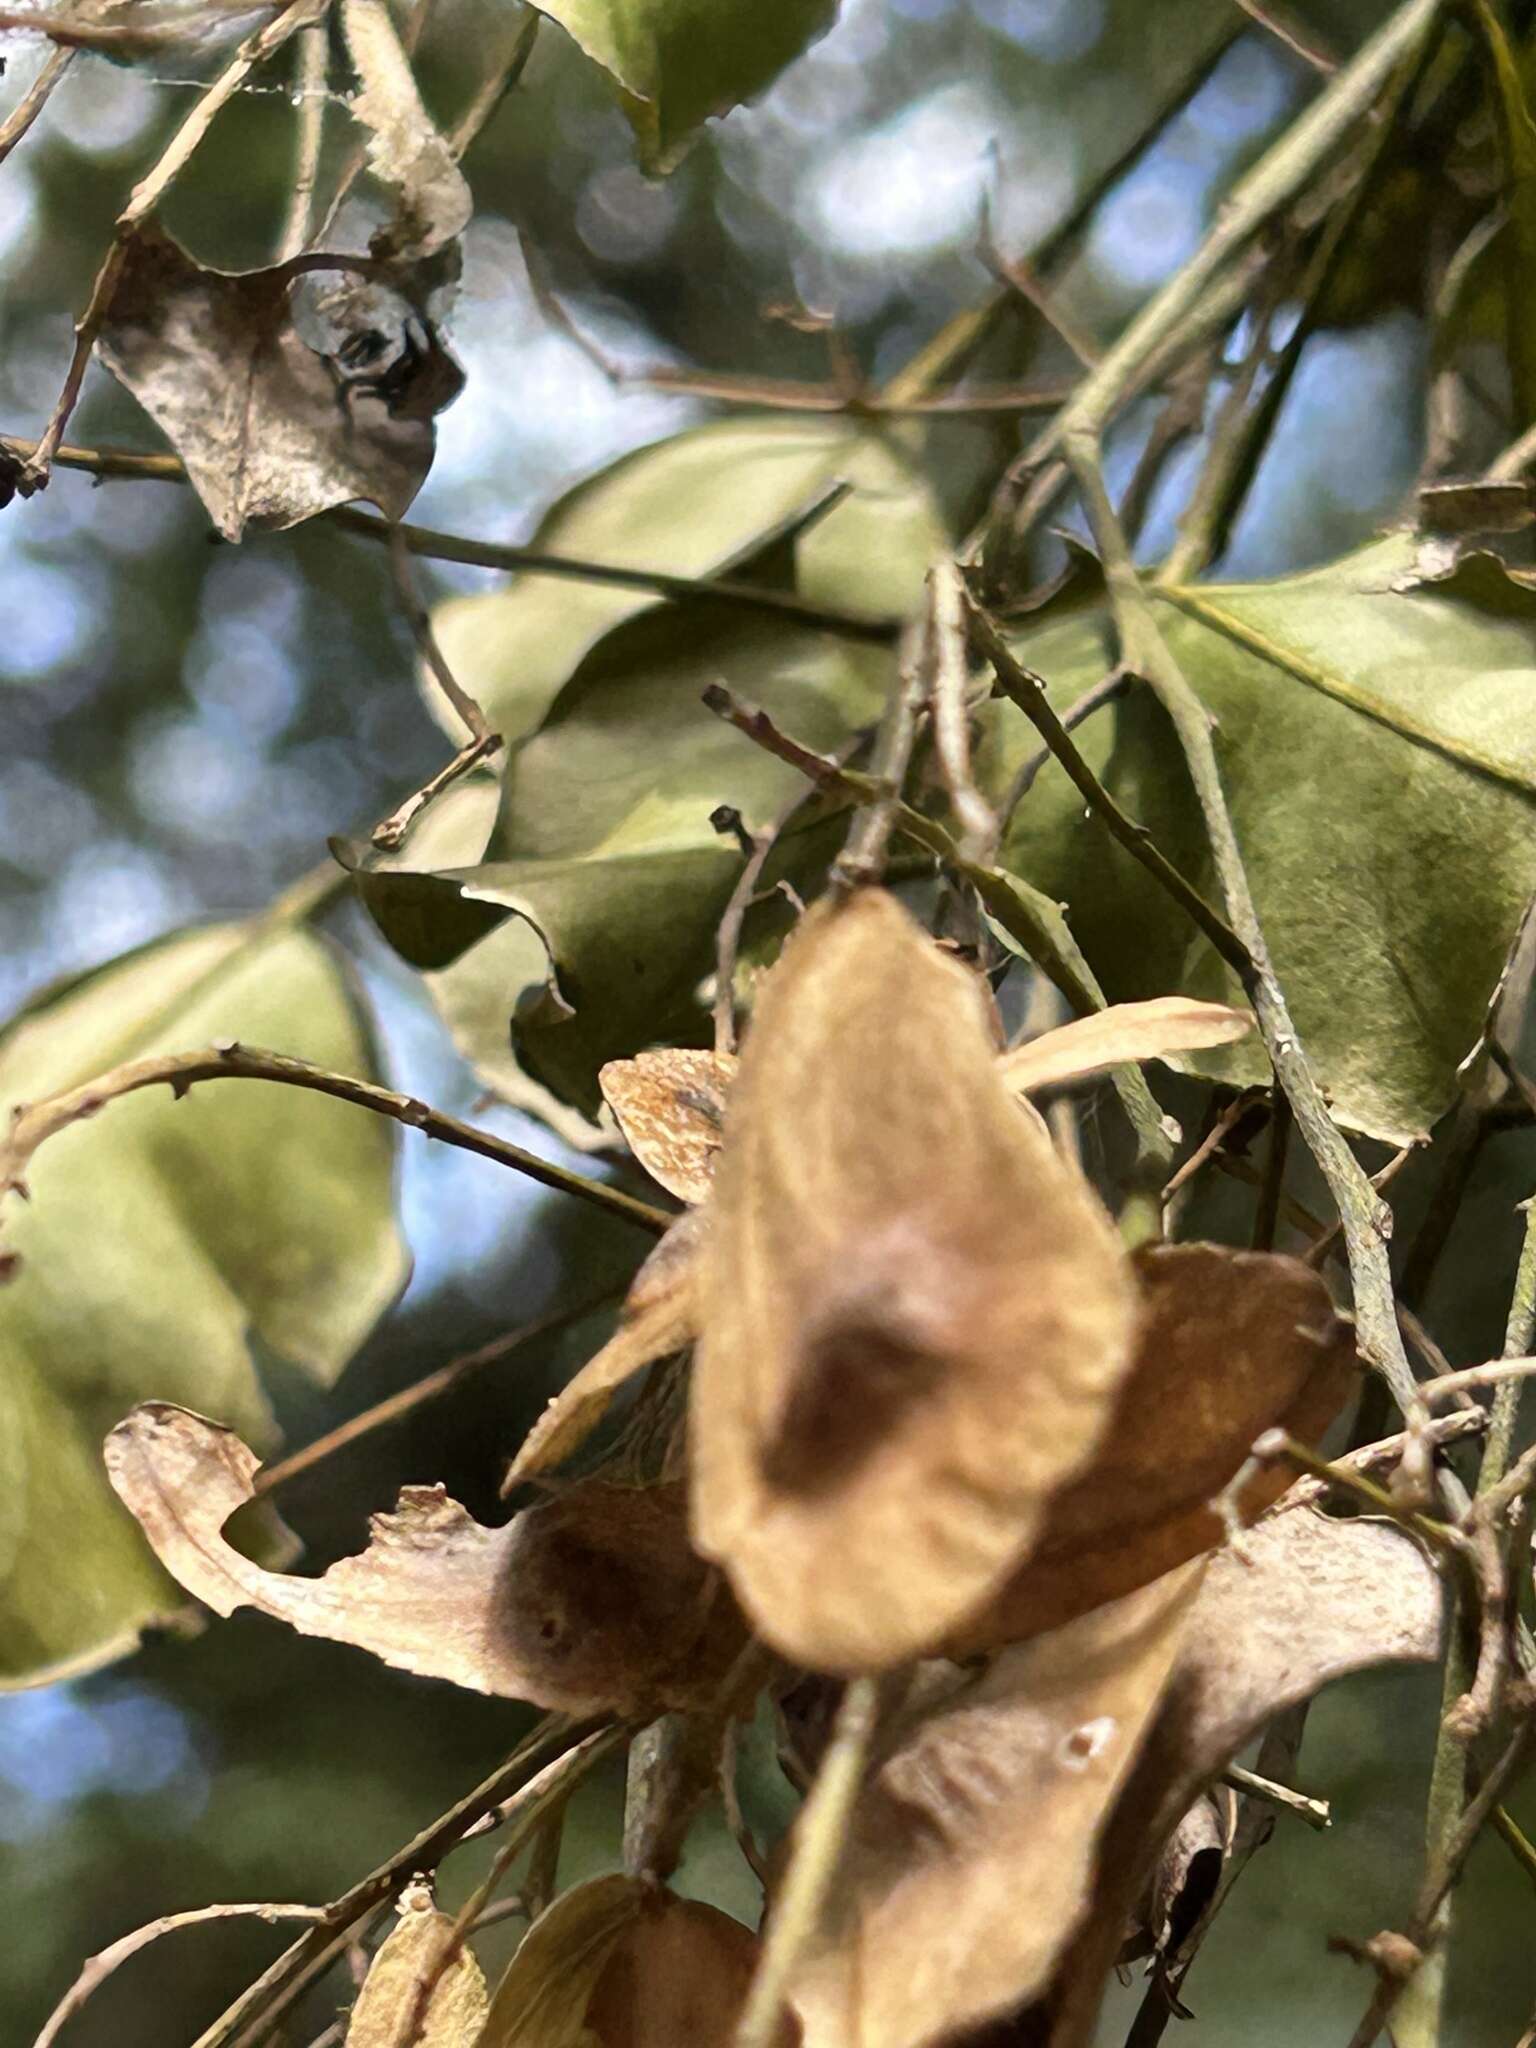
163 1241
1375 738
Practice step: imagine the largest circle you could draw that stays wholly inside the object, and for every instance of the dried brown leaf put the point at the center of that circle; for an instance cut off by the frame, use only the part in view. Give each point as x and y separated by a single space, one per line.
659 1318
1184 1878
405 151
592 1601
271 429
677 1977
542 2000
913 1316
971 1855
1128 1031
621 1963
1232 1343
1310 1600
670 1105
456 2008
132 28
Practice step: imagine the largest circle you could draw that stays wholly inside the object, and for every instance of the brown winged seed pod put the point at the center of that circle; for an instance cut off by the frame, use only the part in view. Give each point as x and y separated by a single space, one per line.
914 1317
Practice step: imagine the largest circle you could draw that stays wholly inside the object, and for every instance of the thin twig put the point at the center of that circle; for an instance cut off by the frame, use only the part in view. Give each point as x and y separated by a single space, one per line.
34 99
134 466
419 618
495 86
431 1387
1094 698
949 675
99 1967
1315 1812
1366 1219
145 196
820 1833
1301 40
1439 1877
32 1125
390 832
862 859
314 52
1381 1457
1028 692
263 2002
1031 918
530 1806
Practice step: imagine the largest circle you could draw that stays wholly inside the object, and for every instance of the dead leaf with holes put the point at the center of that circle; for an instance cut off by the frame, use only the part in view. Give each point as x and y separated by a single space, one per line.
272 429
1308 1600
591 1601
1231 1344
619 1962
456 2007
913 1316
970 1856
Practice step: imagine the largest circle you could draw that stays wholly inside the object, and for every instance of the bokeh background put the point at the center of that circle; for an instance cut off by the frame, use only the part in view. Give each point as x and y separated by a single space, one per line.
182 723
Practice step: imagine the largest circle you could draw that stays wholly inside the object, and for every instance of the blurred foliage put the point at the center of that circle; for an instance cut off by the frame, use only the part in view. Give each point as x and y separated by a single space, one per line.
185 723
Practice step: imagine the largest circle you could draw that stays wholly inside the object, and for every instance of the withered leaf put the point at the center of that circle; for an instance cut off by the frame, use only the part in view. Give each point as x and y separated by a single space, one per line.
456 2007
1127 1031
133 28
913 1317
271 430
1184 1878
542 2000
591 1601
621 1963
405 150
1309 1600
1232 1343
971 1853
670 1105
659 1318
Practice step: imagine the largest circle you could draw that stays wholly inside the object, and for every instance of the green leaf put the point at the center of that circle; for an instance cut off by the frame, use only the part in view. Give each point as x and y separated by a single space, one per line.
604 852
679 61
163 1240
1378 750
696 505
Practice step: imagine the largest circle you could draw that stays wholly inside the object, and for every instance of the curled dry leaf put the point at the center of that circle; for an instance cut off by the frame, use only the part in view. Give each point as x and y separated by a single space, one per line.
272 430
971 1854
659 1318
1184 1878
913 1317
1127 1031
671 1108
621 1963
455 2011
405 151
590 1602
1232 1343
1309 1600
